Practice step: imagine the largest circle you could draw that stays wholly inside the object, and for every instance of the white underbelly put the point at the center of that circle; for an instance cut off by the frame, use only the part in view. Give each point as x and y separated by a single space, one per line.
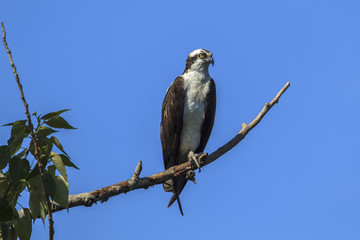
191 132
194 114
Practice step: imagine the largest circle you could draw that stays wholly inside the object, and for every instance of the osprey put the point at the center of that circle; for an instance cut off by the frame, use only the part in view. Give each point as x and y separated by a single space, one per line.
187 117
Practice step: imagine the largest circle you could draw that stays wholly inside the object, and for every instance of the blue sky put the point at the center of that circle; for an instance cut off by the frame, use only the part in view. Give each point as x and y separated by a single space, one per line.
295 176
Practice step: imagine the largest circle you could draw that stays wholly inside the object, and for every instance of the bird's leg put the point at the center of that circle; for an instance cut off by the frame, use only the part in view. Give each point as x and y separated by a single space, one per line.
193 158
190 175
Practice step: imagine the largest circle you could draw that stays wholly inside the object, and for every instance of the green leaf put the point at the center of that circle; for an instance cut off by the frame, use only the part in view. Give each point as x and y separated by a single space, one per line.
58 144
19 168
36 184
44 131
19 122
45 145
50 184
58 122
15 191
37 204
19 127
51 170
23 227
34 172
62 191
53 114
59 164
6 212
67 161
5 156
15 143
37 201
19 131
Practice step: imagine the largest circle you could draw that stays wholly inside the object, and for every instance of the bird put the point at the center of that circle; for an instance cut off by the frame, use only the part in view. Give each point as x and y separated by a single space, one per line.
187 118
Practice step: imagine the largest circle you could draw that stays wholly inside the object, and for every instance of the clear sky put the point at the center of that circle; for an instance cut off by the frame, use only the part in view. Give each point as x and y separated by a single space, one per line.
295 176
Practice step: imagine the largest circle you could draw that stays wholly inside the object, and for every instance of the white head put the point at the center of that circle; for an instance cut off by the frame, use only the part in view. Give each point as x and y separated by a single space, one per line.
199 60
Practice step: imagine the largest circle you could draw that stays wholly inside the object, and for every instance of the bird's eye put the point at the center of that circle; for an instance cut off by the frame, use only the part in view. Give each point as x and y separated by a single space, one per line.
201 55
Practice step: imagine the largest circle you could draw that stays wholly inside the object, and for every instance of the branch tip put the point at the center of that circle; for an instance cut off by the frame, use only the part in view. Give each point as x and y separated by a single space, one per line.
203 157
138 170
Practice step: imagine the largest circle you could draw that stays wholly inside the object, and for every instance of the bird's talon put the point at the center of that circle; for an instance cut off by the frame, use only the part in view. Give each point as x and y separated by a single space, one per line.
194 159
190 175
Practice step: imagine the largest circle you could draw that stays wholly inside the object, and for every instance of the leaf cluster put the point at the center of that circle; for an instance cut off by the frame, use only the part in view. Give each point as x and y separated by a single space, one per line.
18 176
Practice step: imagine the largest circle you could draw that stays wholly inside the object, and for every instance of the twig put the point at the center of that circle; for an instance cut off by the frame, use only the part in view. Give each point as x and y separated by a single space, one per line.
138 170
136 175
27 153
103 194
37 156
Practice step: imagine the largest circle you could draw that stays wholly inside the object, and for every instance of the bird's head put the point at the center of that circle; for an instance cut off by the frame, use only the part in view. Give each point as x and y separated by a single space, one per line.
199 60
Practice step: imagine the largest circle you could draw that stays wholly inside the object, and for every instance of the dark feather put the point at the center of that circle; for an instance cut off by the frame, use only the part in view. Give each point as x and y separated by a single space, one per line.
170 132
175 197
172 122
207 125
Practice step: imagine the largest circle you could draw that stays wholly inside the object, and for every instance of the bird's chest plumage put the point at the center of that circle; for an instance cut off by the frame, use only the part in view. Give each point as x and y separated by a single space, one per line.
196 89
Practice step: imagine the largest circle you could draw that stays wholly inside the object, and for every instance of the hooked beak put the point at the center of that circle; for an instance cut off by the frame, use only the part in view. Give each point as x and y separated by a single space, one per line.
210 60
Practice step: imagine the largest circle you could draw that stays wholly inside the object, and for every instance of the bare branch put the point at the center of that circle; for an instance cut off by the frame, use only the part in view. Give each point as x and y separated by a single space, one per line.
103 194
138 170
37 156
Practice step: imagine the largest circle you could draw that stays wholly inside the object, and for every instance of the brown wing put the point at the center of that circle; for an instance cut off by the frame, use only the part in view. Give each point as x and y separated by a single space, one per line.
172 122
207 125
170 133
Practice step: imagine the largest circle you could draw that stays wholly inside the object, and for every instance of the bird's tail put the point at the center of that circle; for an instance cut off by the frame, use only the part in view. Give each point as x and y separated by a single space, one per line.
173 199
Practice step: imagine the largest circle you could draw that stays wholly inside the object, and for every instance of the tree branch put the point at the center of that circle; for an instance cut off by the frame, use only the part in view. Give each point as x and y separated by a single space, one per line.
103 194
31 127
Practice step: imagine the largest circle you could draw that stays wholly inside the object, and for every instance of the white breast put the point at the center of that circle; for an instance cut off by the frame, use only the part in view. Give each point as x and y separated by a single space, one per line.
197 86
